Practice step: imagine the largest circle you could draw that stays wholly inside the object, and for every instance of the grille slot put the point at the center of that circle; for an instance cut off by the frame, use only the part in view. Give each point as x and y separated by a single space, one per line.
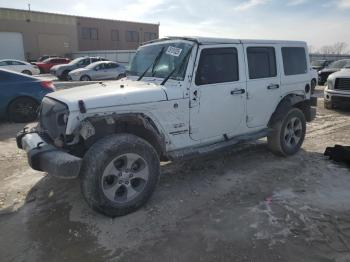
342 83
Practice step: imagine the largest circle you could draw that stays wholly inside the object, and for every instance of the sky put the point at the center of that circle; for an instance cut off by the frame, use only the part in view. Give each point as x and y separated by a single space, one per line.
319 22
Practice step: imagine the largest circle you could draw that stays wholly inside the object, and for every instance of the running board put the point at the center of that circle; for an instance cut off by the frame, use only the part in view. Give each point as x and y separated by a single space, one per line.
190 152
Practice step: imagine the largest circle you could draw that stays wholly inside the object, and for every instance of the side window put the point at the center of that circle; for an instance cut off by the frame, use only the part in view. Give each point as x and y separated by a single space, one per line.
15 63
294 60
261 62
217 65
113 65
3 63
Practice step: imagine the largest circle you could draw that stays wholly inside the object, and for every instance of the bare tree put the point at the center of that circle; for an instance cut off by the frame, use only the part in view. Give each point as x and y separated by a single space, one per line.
339 48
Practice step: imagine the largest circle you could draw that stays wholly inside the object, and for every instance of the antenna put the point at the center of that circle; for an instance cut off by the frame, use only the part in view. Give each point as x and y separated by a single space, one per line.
29 6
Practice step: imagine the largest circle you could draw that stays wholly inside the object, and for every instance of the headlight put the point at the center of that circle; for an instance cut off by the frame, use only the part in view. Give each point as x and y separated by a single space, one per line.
330 84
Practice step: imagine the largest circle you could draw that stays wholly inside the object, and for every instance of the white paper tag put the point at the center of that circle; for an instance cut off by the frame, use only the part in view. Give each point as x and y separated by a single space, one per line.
173 51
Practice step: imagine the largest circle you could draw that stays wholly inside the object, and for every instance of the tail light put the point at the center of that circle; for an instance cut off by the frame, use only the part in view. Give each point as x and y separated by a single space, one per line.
48 85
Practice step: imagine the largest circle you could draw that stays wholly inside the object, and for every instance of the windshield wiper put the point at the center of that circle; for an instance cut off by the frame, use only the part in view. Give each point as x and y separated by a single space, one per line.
153 64
177 69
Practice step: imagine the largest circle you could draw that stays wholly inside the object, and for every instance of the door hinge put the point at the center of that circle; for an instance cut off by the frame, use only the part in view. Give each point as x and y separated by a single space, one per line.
248 119
247 95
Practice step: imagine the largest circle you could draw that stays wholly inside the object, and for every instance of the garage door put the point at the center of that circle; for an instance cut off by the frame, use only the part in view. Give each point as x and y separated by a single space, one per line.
11 45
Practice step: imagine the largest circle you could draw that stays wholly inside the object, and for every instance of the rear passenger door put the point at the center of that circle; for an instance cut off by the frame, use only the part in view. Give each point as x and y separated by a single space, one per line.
263 84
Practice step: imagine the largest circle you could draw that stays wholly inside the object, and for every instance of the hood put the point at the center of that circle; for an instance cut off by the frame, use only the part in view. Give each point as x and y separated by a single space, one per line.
329 70
342 73
109 94
63 66
79 70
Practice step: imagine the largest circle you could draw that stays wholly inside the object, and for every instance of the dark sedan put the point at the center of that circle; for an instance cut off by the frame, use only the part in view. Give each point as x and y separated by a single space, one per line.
332 68
320 64
20 95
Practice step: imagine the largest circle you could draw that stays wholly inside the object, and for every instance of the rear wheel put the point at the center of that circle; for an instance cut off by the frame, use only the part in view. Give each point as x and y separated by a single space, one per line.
119 174
120 76
23 109
27 72
288 134
85 78
328 105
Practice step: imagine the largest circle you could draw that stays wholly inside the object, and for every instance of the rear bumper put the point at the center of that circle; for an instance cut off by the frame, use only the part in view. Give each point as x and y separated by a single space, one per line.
46 157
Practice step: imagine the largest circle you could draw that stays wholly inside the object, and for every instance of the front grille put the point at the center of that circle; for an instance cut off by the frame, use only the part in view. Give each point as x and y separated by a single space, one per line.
342 83
51 112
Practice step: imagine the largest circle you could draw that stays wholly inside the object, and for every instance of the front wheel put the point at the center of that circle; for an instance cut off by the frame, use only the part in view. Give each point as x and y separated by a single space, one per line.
23 109
288 134
27 72
85 78
119 174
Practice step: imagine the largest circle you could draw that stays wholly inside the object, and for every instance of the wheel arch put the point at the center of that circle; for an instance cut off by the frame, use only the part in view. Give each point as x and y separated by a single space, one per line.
137 124
18 97
290 101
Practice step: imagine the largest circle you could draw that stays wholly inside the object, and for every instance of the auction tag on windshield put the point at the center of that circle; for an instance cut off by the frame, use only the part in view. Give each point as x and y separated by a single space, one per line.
174 51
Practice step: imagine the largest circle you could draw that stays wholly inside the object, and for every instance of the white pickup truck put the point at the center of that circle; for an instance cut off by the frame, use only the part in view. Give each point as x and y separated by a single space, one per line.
337 91
183 97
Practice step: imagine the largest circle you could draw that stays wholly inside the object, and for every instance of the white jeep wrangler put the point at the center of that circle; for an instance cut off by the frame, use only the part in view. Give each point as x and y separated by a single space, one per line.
183 97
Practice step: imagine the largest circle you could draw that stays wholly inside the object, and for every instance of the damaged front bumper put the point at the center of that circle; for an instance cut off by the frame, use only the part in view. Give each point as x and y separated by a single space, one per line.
46 157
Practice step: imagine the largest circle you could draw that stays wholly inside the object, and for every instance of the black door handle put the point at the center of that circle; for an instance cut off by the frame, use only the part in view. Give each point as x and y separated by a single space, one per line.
273 86
237 92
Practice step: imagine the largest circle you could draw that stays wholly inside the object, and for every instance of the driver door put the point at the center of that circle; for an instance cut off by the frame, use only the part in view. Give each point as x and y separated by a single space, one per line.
218 93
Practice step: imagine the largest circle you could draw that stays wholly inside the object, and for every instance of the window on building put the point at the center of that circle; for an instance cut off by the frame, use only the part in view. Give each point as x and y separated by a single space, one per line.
89 33
217 65
115 35
132 36
294 60
261 62
148 36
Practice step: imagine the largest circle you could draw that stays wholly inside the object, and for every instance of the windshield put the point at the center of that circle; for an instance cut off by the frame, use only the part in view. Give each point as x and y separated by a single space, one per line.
170 59
340 64
318 63
76 60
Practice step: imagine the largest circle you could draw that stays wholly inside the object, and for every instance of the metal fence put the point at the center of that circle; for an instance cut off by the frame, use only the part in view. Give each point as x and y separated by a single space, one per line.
331 57
119 56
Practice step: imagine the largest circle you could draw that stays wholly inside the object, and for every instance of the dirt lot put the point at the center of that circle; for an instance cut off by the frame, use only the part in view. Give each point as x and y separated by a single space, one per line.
241 205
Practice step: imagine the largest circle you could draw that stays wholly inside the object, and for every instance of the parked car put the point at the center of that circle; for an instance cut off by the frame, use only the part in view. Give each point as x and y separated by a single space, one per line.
20 95
320 64
183 97
314 79
332 68
44 57
62 71
19 66
101 70
46 65
337 91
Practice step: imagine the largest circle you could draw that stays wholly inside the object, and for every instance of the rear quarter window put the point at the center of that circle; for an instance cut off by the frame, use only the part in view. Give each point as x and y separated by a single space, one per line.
294 60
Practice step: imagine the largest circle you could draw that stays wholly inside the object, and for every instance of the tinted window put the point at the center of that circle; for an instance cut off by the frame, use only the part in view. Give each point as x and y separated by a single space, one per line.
3 63
115 35
217 65
132 36
16 63
113 65
89 33
294 60
261 62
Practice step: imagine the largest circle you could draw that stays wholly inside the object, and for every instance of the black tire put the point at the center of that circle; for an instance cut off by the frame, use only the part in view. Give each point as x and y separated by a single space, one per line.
64 75
23 110
313 85
277 139
97 160
27 72
120 76
328 105
85 78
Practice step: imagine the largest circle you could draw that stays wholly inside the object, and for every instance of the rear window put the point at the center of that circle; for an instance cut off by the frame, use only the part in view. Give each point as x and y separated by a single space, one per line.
294 60
261 62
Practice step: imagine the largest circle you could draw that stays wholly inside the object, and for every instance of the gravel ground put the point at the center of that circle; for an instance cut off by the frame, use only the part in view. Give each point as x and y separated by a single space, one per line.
242 205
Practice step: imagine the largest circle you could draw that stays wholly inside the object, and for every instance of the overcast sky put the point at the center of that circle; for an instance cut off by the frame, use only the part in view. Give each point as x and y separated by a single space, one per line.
319 22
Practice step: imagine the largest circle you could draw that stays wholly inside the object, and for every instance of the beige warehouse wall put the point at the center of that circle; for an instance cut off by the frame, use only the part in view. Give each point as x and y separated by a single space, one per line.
42 33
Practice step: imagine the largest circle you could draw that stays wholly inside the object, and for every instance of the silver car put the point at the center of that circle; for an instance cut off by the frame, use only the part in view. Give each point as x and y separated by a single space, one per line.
101 70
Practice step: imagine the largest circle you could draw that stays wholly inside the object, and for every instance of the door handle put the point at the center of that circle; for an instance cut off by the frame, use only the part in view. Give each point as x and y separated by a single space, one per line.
273 86
238 92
